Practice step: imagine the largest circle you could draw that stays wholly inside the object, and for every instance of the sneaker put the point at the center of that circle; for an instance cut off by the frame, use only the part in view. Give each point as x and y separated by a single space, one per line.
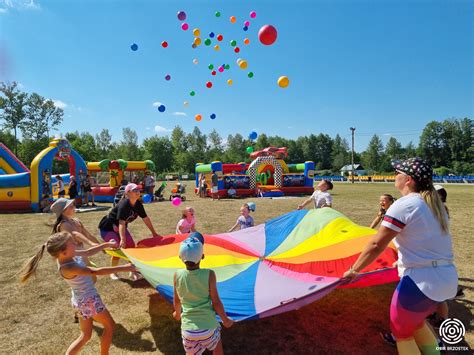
135 276
388 338
114 277
94 205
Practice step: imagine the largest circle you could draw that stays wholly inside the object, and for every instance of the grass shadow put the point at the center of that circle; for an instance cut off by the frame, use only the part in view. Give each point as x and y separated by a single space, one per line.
123 339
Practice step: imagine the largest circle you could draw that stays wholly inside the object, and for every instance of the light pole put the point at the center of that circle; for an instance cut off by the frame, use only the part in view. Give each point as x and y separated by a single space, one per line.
352 171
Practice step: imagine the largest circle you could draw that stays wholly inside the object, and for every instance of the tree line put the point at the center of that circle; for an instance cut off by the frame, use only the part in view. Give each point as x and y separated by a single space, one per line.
447 144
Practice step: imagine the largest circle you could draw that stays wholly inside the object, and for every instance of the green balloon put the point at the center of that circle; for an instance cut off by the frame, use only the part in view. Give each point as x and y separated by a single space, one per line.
207 42
211 66
192 93
218 14
249 150
227 66
233 43
250 74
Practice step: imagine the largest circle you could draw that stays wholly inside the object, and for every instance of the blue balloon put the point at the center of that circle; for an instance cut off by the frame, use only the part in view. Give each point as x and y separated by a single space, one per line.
245 28
162 108
147 198
211 35
213 116
253 135
134 47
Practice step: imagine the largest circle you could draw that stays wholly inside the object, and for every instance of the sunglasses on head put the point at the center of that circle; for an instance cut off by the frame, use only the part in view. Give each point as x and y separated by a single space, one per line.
136 190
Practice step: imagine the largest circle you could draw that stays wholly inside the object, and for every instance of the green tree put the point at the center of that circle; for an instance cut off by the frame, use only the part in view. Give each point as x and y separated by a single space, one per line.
197 145
236 149
373 155
42 116
7 138
128 148
13 105
433 144
160 151
29 149
179 140
393 148
409 151
216 149
103 142
84 144
295 152
262 142
340 155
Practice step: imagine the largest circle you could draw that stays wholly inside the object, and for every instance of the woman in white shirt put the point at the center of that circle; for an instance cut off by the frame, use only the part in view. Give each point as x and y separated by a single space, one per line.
418 223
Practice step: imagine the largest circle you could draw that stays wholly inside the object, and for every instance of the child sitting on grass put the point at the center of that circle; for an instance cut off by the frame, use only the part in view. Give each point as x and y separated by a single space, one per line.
196 301
187 223
85 298
245 220
321 197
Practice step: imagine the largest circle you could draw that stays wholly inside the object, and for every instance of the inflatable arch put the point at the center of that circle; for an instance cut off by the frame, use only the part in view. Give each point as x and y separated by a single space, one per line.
268 160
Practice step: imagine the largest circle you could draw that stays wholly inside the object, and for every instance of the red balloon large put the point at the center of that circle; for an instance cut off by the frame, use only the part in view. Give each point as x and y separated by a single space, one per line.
267 35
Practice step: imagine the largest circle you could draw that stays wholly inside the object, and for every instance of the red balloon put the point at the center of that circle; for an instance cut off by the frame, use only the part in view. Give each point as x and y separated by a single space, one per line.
209 85
164 44
213 72
267 35
220 37
236 49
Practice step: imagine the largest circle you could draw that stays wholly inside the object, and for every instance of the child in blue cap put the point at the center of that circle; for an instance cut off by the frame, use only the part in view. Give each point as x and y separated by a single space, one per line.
196 301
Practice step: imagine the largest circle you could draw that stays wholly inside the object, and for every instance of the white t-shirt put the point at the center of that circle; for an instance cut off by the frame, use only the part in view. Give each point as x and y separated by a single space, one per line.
245 222
60 185
321 198
185 225
421 243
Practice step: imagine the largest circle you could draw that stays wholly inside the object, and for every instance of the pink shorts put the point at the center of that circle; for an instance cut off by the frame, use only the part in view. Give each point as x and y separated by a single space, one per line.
108 236
409 309
89 307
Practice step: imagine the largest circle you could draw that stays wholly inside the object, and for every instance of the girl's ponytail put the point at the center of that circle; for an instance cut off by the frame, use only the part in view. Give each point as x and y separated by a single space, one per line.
31 265
433 200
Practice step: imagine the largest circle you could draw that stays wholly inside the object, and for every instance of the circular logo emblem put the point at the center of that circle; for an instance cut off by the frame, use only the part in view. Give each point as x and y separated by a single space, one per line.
10 193
452 331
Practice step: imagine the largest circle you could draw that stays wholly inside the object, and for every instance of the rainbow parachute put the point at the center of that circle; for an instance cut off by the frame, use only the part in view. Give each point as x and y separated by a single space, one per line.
275 267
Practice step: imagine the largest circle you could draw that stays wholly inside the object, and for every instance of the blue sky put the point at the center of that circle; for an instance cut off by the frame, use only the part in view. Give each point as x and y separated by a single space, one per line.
385 67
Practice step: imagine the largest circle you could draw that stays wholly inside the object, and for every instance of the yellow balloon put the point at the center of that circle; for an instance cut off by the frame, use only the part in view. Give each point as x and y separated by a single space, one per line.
243 64
216 47
283 81
229 82
197 41
196 32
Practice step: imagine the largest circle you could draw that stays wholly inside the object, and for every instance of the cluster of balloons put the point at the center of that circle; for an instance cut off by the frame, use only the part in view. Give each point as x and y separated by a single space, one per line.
252 136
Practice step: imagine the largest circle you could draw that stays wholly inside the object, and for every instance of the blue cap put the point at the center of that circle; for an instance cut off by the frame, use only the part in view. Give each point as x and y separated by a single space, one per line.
197 236
191 250
251 206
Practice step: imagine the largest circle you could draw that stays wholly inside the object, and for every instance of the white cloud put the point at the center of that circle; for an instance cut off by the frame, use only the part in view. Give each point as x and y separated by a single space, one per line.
3 10
159 129
157 103
180 113
60 104
387 134
19 5
148 128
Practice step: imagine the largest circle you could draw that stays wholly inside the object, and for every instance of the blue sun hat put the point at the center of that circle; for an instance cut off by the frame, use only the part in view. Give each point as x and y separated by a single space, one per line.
191 250
197 236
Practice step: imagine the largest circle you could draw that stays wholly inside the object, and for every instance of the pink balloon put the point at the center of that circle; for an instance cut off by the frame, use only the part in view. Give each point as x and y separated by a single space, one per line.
253 14
221 69
185 26
176 201
247 23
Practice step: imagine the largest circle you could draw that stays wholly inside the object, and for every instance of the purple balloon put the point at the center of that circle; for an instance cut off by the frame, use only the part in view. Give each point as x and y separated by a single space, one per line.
168 77
181 15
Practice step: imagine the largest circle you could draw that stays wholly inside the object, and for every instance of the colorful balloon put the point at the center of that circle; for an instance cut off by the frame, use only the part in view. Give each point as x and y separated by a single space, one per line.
164 44
249 150
198 117
221 69
267 35
247 23
207 42
194 45
283 81
229 82
253 14
211 34
209 85
245 28
134 47
213 116
195 61
168 77
233 43
197 41
253 135
185 26
242 64
213 72
186 103
192 93
220 37
196 32
250 74
232 19
210 66
216 47
162 108
246 41
147 198
218 14
176 201
236 49
227 66
181 15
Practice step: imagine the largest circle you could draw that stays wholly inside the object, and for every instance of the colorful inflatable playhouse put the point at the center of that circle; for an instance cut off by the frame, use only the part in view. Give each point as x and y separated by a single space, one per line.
22 189
275 267
267 175
117 171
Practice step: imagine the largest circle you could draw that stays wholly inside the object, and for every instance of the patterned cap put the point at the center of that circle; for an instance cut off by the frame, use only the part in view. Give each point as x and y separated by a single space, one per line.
417 168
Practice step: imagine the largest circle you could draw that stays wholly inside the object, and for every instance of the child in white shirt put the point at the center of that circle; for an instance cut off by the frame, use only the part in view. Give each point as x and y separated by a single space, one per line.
321 197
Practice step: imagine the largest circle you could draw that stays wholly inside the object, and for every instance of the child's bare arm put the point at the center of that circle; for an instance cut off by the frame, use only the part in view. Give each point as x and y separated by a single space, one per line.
233 227
77 270
216 301
176 301
304 203
95 249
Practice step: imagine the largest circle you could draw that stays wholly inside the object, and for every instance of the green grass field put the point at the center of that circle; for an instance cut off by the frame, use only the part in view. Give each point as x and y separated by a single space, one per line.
37 317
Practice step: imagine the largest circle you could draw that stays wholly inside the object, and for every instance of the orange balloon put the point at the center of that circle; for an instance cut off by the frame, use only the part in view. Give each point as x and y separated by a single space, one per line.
197 41
246 41
232 19
216 47
229 82
198 117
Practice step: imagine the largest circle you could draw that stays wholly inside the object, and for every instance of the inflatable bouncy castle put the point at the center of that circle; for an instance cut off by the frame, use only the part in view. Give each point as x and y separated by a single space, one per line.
268 175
